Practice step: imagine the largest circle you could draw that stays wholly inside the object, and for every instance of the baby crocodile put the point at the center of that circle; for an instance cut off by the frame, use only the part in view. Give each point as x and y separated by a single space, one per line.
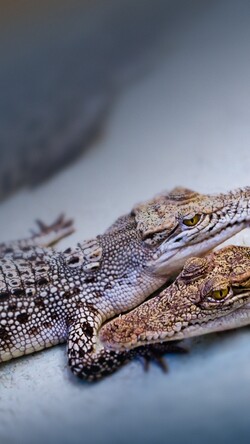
210 294
48 296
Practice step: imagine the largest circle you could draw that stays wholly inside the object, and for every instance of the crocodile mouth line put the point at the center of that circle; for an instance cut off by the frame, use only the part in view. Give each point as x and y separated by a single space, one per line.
237 318
223 230
171 261
207 238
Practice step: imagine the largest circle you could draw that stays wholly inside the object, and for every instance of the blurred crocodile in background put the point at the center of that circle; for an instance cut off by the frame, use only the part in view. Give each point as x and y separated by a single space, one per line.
62 64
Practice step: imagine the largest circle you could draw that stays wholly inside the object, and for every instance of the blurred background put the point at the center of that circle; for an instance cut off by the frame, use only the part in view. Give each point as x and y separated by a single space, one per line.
62 64
104 104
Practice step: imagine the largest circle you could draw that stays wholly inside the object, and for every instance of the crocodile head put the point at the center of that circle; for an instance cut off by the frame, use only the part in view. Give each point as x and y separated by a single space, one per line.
210 294
184 223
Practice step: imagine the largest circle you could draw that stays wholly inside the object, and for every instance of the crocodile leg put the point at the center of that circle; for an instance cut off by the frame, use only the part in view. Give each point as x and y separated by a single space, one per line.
90 361
85 358
45 236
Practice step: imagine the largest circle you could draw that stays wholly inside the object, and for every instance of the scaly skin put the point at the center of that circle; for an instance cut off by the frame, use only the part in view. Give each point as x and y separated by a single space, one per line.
210 294
47 297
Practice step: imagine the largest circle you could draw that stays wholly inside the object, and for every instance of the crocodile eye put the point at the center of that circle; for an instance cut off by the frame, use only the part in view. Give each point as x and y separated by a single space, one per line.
218 295
193 221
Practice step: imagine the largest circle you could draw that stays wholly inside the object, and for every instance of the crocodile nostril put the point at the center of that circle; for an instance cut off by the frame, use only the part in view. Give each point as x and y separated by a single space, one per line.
178 239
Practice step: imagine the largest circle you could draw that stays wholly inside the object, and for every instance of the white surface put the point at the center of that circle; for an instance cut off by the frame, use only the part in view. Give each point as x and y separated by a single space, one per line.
187 123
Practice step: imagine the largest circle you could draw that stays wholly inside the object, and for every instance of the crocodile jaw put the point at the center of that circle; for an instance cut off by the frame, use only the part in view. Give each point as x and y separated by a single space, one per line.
236 319
172 260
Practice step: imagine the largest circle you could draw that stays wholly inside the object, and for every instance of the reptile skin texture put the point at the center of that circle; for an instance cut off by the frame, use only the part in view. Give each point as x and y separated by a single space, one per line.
48 297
